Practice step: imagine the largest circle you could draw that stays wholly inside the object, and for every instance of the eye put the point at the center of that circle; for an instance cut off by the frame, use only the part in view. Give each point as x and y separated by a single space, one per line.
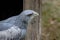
29 15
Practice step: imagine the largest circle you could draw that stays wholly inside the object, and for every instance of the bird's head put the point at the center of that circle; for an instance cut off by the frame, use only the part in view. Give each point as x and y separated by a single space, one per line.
28 15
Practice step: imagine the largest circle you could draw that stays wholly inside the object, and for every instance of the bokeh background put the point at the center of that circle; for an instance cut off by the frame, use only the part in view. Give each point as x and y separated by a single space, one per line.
50 19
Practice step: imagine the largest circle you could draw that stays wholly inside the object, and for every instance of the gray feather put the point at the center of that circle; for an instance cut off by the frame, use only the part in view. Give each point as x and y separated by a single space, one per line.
14 28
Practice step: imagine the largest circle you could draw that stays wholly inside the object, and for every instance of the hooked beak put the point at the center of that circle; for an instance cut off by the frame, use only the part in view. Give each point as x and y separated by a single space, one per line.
35 14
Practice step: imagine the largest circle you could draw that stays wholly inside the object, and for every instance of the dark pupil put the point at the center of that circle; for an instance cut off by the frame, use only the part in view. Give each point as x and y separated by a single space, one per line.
29 15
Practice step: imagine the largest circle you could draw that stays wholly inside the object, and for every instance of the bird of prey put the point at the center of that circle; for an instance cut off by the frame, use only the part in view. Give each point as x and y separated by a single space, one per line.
14 28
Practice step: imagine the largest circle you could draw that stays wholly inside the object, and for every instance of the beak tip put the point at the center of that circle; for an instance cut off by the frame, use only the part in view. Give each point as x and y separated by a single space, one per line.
36 14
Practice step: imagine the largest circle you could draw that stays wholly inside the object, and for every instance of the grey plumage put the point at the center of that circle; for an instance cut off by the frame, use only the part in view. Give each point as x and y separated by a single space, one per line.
14 28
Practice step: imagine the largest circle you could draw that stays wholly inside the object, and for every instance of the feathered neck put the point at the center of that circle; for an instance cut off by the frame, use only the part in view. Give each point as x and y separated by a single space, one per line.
20 22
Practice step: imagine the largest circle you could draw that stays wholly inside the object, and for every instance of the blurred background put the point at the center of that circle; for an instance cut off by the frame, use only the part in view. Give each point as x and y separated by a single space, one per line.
51 19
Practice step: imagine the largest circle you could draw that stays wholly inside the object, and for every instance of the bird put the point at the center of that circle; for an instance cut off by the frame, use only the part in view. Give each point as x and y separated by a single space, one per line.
15 27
